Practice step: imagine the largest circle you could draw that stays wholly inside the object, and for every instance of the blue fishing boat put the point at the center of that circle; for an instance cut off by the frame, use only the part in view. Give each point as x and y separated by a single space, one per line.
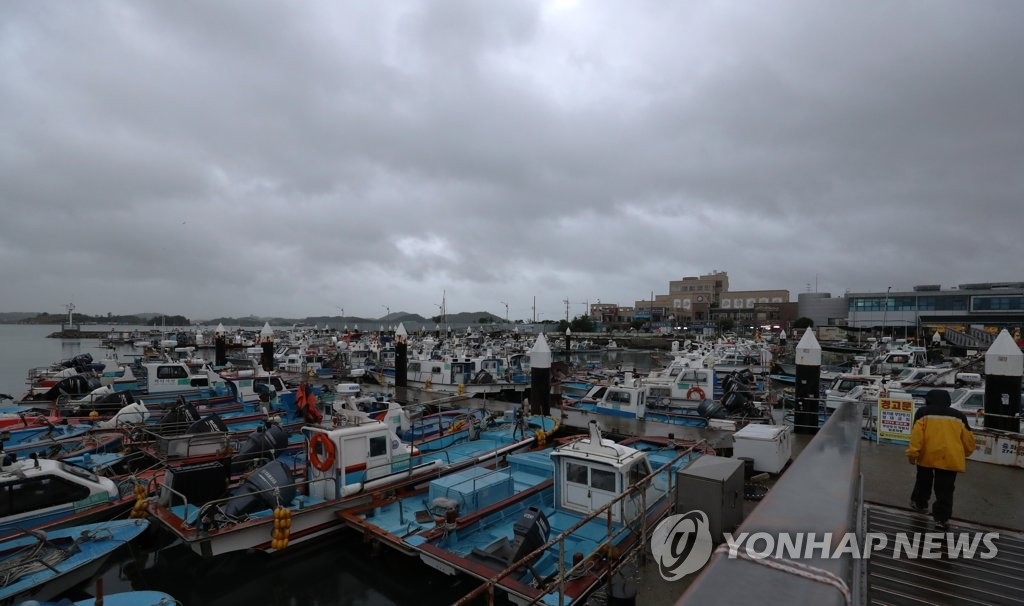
556 540
549 521
124 598
42 565
348 460
632 399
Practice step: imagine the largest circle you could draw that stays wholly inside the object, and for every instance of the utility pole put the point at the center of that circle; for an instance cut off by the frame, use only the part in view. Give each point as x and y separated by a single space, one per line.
506 310
534 309
566 301
885 310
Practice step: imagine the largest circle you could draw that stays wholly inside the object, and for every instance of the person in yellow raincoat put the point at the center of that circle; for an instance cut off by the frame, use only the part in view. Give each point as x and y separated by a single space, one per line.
940 443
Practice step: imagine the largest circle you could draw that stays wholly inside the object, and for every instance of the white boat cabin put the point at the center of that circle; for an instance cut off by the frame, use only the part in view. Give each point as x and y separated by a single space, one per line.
298 362
176 377
628 399
592 471
346 460
35 490
685 378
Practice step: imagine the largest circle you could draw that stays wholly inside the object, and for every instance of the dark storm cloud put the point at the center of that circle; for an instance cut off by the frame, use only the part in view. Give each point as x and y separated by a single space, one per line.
288 158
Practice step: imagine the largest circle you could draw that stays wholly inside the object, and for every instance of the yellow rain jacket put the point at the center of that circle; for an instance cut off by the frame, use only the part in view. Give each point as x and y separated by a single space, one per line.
941 438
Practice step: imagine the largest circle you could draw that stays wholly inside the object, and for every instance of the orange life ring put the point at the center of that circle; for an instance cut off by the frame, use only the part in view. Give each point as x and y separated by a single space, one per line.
695 390
321 439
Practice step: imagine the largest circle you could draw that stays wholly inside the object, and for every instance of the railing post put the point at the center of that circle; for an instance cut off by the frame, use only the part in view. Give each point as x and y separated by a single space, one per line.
561 571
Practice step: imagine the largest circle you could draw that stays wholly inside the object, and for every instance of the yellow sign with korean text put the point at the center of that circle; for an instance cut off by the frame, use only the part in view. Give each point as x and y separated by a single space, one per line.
895 419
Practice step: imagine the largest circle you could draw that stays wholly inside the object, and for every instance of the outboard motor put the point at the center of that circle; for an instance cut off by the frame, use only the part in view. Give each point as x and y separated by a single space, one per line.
178 419
728 382
267 487
709 409
262 442
82 360
110 402
735 402
483 378
746 378
531 531
75 386
208 424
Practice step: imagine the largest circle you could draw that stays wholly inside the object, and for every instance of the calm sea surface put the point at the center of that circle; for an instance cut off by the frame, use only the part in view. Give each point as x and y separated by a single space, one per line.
335 570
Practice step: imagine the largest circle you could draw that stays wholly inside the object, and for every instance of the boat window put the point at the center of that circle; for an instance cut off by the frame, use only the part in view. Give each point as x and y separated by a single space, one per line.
660 392
619 396
39 493
414 366
436 370
378 446
601 479
974 401
171 372
640 470
576 473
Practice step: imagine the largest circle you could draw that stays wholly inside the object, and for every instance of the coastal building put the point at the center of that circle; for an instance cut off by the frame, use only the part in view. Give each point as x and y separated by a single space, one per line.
699 300
966 315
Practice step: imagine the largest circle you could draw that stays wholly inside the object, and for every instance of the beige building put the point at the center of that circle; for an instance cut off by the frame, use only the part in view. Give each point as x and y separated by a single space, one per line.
702 298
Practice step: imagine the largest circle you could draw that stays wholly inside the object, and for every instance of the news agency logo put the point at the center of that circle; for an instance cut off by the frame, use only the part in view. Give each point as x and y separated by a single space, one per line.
829 546
681 544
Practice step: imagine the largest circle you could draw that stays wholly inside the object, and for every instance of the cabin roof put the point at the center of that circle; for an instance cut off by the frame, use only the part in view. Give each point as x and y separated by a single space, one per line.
595 448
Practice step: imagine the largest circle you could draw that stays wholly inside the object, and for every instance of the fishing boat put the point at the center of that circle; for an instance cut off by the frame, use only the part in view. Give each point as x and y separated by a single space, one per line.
41 565
554 538
347 459
124 598
44 493
461 371
157 384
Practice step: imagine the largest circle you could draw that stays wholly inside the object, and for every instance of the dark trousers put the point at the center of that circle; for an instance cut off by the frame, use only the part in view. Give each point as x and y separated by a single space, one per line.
943 481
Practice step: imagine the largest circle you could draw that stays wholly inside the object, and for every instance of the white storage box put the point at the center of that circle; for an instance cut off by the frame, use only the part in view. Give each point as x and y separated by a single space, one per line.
769 446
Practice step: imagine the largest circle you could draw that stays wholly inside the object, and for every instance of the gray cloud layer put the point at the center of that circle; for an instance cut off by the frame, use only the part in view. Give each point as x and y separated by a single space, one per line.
283 158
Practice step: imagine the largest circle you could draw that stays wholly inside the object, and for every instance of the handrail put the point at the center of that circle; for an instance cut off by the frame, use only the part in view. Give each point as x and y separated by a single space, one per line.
819 493
489 585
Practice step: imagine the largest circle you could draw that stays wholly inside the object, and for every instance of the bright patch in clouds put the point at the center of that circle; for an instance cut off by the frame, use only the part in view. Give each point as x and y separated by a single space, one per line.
430 246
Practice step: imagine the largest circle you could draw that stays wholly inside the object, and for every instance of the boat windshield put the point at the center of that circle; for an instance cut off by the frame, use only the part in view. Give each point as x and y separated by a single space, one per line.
79 471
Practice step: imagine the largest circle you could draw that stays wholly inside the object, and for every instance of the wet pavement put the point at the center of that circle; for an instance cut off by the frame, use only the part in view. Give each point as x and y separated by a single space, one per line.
987 497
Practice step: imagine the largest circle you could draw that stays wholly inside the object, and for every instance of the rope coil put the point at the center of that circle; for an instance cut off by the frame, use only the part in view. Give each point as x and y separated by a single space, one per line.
799 569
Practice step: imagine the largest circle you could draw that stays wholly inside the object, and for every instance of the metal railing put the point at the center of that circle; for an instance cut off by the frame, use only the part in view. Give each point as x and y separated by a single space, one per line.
611 538
820 493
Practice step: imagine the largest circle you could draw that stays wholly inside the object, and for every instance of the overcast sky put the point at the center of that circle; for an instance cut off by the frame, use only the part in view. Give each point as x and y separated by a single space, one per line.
295 158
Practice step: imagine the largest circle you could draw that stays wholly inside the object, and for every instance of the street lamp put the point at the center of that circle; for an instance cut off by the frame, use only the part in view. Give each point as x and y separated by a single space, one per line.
506 311
885 310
